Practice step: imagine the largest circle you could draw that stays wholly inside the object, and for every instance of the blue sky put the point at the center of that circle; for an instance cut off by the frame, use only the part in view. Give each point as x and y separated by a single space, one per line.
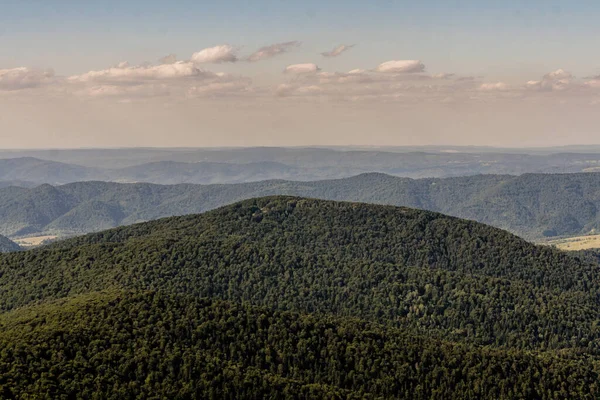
505 37
428 72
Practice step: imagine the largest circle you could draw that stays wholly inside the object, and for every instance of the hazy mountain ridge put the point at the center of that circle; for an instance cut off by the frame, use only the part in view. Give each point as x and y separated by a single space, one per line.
204 166
7 245
128 157
531 205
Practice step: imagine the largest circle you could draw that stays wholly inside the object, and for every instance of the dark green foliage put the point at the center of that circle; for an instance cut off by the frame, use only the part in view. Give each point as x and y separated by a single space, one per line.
286 297
156 346
399 266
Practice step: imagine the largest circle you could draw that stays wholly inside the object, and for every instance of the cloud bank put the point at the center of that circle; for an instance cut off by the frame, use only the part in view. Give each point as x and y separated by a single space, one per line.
403 80
24 78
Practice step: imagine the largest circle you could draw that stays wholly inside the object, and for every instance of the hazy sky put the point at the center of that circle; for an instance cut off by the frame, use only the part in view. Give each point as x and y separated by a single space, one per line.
382 72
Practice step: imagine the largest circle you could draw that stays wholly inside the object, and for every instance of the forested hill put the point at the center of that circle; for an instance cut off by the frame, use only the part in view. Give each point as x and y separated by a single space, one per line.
390 264
7 245
299 298
532 205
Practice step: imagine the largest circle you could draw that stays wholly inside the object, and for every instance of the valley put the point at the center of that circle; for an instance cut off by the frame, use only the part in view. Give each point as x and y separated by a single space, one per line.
577 243
34 241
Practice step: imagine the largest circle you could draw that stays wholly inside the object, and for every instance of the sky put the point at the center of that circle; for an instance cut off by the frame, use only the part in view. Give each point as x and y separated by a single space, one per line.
298 73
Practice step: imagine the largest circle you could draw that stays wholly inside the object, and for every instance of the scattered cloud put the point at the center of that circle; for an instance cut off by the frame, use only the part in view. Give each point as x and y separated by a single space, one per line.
338 50
357 71
401 66
397 80
271 51
558 80
215 55
308 68
24 78
559 74
122 65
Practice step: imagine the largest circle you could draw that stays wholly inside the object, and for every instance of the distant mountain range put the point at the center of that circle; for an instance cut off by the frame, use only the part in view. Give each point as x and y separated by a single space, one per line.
127 157
7 245
531 205
206 166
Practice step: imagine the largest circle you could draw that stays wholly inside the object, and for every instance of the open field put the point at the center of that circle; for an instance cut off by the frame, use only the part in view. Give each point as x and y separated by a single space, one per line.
577 242
34 240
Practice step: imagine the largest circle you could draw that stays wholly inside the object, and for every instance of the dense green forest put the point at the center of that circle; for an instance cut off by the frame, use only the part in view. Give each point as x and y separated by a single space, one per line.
533 206
122 345
300 298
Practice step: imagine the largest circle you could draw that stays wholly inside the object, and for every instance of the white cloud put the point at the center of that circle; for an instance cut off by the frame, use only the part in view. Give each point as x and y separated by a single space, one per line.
24 78
132 75
122 65
559 74
308 68
357 71
401 66
559 80
271 51
179 78
337 50
215 55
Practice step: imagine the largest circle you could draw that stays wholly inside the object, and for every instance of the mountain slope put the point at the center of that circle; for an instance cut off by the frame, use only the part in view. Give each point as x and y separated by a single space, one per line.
533 206
151 345
7 245
410 268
